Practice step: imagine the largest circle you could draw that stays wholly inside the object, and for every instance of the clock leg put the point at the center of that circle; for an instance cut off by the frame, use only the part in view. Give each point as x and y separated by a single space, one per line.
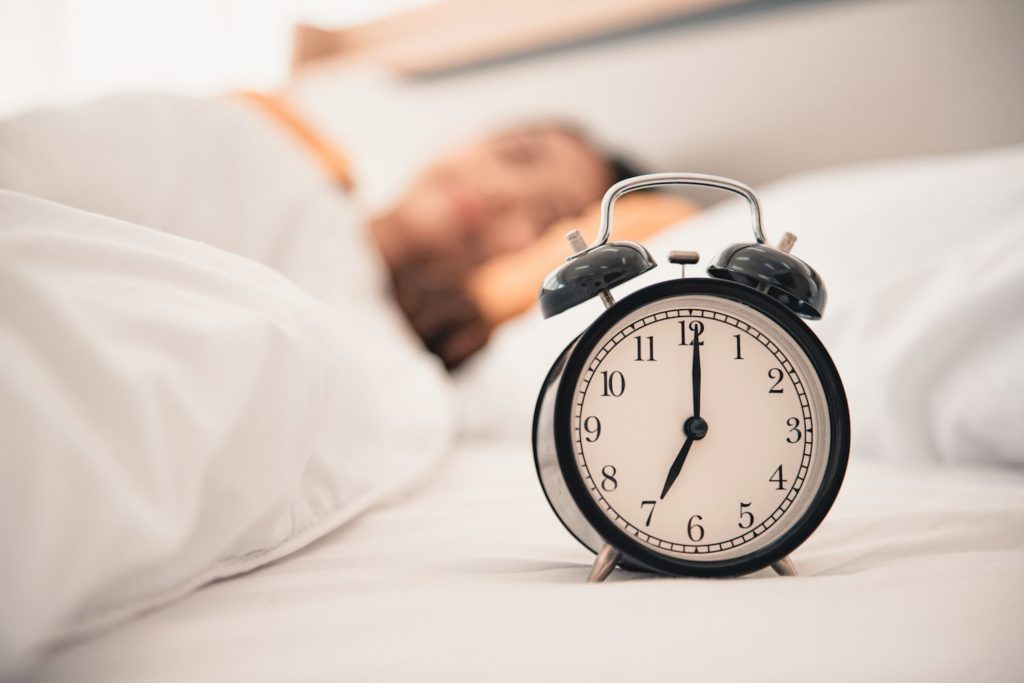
604 563
784 567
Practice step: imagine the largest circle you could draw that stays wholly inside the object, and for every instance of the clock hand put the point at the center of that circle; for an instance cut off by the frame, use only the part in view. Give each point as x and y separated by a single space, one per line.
677 465
695 428
697 328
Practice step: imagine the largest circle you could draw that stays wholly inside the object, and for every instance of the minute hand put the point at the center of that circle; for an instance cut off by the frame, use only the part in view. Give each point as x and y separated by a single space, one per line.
696 374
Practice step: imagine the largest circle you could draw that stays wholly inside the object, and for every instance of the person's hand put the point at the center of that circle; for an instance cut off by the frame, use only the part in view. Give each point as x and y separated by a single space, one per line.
432 293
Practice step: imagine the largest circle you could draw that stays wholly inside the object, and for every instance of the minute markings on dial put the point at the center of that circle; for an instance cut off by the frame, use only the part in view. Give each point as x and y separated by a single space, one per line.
769 518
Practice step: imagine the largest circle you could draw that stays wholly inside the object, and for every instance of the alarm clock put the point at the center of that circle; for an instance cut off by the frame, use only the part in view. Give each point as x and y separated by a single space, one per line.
697 427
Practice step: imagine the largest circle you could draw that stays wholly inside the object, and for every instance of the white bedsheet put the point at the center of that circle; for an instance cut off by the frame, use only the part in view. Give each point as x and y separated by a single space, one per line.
914 576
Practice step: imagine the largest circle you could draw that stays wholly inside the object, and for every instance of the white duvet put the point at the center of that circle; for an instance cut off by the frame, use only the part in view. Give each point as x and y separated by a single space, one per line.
176 410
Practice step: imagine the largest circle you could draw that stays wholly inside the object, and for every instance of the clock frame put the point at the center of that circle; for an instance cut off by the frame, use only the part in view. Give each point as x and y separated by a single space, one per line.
567 492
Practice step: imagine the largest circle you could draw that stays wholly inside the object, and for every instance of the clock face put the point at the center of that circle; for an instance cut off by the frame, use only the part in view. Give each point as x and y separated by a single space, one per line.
700 428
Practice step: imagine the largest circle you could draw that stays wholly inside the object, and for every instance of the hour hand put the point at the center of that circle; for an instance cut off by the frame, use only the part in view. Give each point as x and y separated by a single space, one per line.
677 466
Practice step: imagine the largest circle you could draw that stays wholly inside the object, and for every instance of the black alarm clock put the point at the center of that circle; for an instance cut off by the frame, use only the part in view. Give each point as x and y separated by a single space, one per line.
697 427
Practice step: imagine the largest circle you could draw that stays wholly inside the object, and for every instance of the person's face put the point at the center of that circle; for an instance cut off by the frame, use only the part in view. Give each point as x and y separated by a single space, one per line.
500 193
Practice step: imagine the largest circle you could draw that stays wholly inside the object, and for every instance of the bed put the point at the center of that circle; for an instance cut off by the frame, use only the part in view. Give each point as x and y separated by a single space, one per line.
451 566
467 575
914 576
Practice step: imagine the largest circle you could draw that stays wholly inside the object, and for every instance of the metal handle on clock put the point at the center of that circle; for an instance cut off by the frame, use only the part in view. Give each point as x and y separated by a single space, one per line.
643 182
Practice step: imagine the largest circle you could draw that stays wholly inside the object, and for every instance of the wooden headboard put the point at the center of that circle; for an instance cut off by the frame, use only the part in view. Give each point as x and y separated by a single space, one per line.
457 33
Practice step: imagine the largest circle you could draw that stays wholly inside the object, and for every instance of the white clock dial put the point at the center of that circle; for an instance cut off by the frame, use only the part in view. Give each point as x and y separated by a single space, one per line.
755 456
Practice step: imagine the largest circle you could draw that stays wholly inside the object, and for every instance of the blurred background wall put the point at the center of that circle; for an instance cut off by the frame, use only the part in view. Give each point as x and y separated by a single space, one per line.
55 51
755 90
752 89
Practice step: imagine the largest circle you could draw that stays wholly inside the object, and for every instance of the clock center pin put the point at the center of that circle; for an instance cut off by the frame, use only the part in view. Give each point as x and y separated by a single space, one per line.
695 428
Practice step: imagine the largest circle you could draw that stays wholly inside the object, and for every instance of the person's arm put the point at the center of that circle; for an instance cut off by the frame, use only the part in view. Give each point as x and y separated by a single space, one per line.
508 285
455 311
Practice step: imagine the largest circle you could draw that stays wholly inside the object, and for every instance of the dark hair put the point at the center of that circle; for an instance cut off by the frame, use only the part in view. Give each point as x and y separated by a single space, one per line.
620 168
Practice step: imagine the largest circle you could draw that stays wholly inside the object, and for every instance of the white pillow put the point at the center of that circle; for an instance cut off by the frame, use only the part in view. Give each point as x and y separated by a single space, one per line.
171 413
216 170
924 264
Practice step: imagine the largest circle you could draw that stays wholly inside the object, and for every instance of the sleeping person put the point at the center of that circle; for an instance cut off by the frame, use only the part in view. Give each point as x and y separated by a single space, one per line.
485 199
460 244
